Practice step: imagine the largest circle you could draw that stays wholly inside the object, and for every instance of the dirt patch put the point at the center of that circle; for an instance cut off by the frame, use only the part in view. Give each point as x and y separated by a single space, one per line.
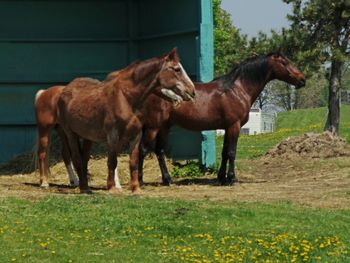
311 145
315 182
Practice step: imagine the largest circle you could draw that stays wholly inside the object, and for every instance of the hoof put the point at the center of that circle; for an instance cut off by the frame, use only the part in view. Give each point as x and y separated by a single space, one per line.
115 190
167 183
86 191
136 190
73 184
231 182
44 185
222 181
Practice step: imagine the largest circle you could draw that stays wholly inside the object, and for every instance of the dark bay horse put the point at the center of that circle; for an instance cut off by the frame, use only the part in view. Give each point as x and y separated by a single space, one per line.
223 103
112 111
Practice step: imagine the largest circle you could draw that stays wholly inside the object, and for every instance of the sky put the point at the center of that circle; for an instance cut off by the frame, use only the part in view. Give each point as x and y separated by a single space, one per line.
252 16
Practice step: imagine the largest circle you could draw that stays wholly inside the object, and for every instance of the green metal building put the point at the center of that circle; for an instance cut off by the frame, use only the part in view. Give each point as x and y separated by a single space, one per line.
45 43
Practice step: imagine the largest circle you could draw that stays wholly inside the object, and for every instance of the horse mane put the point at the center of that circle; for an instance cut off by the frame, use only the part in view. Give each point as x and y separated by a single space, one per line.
253 69
112 75
144 69
85 81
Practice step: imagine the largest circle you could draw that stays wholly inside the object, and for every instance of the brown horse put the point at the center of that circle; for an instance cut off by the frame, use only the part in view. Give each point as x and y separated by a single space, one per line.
223 103
111 111
46 116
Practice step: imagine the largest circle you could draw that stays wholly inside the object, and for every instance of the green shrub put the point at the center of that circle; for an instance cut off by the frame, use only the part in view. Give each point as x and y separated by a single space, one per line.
190 169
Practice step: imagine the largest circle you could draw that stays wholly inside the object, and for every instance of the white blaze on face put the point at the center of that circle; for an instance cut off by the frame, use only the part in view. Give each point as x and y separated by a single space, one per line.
185 74
72 178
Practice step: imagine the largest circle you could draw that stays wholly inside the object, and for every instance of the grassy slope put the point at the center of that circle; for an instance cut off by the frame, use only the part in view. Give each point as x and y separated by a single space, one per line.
132 229
290 123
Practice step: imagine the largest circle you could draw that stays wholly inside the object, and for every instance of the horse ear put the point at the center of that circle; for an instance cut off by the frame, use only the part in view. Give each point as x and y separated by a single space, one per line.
172 55
280 51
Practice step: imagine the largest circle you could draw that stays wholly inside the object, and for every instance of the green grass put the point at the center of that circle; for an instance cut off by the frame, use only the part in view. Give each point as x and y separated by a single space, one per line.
131 229
291 123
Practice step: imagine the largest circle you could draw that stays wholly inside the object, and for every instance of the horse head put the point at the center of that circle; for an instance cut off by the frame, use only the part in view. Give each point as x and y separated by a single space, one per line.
173 80
283 70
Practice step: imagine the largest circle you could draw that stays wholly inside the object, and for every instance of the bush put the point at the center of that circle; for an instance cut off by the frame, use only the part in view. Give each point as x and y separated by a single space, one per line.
190 169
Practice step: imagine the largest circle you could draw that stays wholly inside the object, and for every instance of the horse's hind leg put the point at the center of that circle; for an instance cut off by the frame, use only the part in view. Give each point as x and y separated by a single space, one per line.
113 184
160 152
74 146
66 156
42 152
148 136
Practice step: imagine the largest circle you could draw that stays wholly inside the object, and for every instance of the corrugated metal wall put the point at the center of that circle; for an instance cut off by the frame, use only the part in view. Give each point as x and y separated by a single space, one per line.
44 43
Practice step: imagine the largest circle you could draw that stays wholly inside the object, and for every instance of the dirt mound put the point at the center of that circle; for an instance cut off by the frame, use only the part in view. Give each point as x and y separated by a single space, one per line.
311 145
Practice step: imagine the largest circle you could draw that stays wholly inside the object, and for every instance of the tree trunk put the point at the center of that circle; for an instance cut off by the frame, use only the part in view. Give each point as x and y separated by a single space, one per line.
332 123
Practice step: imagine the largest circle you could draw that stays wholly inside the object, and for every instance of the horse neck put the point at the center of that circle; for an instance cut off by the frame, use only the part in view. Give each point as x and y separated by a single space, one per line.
254 88
136 92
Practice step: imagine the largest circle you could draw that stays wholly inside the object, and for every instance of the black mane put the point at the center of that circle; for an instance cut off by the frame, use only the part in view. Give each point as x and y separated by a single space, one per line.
253 69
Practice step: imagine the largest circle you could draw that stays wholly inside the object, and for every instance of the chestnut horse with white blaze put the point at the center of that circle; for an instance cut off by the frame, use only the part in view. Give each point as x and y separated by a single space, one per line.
223 103
112 111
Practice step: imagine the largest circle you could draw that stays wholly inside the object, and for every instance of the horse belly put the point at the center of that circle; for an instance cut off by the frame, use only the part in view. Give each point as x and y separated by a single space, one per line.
198 120
85 119
89 131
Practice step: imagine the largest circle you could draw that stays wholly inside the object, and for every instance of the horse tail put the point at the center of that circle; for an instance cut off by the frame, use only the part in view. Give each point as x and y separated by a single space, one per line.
39 130
38 94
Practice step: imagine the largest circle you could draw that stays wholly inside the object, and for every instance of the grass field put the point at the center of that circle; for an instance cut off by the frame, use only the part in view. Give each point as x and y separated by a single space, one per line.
271 222
133 229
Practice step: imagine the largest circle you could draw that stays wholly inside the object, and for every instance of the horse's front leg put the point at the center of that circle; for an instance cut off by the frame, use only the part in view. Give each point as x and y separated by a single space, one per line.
133 163
233 134
224 159
113 184
142 154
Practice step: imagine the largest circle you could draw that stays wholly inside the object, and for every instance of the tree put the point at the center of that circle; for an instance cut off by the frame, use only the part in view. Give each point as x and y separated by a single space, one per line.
230 46
315 94
321 32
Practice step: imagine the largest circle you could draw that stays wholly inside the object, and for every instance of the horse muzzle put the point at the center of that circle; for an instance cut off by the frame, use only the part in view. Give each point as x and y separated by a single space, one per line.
172 96
186 94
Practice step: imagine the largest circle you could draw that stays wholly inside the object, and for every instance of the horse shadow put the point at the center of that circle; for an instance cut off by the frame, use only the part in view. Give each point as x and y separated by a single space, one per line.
61 187
186 181
204 181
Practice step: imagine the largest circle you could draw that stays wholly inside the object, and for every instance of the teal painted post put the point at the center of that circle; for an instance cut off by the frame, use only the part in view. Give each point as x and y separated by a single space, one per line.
206 73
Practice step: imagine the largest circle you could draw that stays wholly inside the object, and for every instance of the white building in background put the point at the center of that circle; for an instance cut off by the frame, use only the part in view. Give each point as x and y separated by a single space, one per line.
259 122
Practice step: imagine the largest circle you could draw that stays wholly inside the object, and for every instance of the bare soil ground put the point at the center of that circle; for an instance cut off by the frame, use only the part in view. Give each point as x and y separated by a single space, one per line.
312 170
311 182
